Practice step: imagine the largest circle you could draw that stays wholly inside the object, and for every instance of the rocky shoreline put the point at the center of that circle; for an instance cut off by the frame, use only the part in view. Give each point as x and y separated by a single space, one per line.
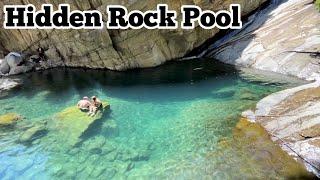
292 119
288 46
283 38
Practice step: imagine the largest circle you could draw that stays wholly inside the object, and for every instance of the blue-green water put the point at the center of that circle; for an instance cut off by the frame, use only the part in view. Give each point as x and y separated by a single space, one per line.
163 123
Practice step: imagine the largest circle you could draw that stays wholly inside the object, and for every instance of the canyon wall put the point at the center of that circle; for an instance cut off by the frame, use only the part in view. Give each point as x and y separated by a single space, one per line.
113 49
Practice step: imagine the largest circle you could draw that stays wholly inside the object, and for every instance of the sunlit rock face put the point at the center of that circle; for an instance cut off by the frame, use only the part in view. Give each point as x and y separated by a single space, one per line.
292 119
283 38
115 49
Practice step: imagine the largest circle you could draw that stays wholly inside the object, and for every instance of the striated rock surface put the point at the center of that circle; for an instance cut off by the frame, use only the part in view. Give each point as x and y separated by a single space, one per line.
114 49
292 118
283 38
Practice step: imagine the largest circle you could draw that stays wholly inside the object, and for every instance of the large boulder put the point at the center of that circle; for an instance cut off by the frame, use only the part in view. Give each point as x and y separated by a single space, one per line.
14 64
71 123
37 131
14 59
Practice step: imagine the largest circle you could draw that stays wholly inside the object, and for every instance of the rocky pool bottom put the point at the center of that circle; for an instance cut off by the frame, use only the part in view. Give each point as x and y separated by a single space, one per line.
180 120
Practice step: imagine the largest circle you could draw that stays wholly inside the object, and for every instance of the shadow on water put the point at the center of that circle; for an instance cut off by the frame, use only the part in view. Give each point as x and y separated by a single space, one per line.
65 82
96 127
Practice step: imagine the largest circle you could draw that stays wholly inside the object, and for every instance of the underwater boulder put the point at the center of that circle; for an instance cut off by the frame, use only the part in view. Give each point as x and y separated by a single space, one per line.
33 133
94 144
9 119
110 128
71 123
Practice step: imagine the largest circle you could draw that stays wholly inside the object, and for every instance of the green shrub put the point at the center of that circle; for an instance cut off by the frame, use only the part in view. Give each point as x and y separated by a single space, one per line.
318 4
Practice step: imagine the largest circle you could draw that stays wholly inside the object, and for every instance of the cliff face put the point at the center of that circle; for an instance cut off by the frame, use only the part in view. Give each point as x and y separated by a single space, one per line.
283 39
114 49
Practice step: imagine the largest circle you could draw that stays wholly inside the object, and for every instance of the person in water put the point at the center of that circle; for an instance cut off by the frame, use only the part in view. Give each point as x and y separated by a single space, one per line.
95 105
84 104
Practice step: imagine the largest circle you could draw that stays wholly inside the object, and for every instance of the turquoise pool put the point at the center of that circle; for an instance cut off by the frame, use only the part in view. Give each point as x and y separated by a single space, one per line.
163 123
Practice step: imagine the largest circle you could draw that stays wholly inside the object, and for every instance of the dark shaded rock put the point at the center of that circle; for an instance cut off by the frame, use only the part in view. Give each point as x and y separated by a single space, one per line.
109 173
14 59
130 166
4 67
20 69
96 151
108 148
34 58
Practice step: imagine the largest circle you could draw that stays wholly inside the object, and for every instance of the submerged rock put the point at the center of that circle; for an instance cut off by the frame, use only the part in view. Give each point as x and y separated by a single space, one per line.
292 118
32 133
71 123
14 63
9 119
94 144
252 139
6 84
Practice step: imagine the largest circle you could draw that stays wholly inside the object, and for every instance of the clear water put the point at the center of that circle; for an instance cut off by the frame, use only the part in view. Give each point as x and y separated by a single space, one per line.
166 121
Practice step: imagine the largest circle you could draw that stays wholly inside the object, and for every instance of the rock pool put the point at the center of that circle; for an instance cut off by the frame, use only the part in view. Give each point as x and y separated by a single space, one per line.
180 121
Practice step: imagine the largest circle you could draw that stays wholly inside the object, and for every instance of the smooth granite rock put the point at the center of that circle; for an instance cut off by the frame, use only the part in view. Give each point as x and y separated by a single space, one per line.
292 118
283 38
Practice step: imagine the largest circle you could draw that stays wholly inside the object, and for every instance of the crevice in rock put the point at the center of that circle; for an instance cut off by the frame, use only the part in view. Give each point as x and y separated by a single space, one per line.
115 48
312 54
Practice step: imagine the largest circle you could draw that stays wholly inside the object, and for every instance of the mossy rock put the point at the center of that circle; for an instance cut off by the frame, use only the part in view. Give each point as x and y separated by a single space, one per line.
318 4
252 139
71 123
9 119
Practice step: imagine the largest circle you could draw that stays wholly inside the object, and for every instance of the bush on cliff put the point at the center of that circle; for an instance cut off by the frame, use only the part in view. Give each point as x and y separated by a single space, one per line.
318 4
